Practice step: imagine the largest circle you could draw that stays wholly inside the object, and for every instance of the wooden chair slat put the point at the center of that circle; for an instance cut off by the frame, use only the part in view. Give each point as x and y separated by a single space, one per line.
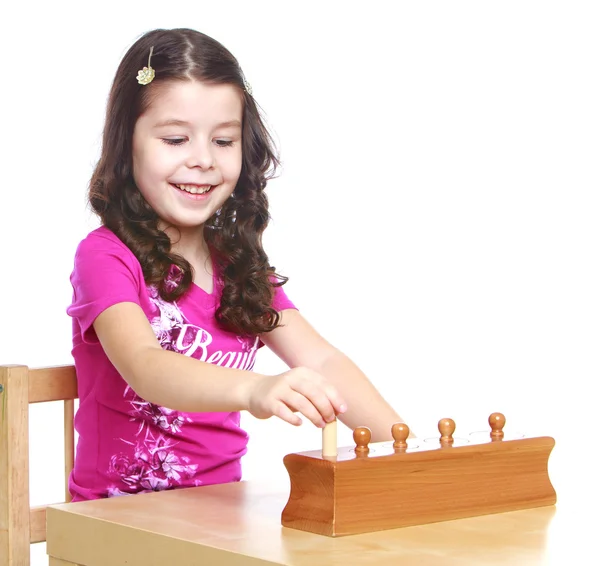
37 524
69 414
20 524
14 465
57 383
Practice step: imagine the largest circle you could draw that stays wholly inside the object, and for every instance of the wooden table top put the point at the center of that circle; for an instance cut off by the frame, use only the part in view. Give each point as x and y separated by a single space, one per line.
240 524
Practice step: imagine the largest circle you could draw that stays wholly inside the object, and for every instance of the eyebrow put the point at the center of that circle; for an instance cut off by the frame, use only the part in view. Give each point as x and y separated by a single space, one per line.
176 122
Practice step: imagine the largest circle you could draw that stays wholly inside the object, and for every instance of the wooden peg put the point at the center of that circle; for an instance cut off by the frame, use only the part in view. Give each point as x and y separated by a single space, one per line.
446 428
497 422
330 439
400 432
362 437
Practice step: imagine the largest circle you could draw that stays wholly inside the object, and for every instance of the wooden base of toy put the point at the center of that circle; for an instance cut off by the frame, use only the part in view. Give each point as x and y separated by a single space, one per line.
366 489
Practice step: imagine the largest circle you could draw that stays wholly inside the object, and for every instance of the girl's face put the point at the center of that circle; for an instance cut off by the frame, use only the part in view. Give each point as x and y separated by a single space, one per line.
187 151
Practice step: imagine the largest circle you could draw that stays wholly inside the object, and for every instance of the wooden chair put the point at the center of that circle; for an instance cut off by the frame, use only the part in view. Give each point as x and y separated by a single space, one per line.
21 524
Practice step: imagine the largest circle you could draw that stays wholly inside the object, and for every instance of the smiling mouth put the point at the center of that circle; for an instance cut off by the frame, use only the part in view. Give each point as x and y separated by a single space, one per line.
194 189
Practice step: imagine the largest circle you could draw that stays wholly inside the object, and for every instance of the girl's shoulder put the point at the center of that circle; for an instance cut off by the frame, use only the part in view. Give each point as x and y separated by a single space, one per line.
102 244
102 238
102 249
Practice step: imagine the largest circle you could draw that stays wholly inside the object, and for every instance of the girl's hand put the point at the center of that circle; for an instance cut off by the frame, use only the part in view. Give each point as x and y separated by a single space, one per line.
298 390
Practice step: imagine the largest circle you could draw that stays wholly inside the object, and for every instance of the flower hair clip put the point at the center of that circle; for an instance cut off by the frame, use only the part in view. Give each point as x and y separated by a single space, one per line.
146 75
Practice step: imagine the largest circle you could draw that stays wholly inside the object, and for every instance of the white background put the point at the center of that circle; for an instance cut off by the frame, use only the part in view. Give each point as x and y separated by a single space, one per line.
437 211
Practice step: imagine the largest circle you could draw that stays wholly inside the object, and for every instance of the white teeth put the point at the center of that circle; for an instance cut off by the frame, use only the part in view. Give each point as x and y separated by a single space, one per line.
195 189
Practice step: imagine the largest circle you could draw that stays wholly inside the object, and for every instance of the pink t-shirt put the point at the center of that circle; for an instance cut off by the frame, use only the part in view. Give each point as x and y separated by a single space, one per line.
126 444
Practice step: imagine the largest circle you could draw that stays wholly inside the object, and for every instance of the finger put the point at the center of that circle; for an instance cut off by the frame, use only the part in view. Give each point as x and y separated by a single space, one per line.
286 414
319 397
313 378
335 399
298 402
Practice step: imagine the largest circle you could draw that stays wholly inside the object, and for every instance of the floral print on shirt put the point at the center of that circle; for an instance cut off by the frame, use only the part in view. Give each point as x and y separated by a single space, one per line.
154 465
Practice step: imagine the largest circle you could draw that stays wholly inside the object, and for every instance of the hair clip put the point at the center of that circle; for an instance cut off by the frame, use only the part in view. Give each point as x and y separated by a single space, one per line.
146 75
247 87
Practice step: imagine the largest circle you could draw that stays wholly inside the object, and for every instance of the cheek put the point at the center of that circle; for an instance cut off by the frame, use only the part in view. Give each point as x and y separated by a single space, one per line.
234 166
141 160
140 172
152 165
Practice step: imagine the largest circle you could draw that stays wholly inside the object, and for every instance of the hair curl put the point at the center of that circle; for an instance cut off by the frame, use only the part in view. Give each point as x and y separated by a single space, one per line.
234 233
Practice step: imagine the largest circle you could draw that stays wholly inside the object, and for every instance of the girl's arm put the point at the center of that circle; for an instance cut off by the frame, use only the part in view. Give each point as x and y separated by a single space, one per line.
185 384
298 344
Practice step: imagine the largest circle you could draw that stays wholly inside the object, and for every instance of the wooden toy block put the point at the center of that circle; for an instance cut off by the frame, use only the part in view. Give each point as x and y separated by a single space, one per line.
373 487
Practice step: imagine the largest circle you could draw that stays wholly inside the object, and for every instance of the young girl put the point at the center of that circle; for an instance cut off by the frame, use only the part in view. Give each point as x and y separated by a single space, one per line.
174 294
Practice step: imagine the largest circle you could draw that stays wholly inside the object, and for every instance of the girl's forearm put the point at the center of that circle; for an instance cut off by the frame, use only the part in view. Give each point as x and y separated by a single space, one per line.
185 384
366 406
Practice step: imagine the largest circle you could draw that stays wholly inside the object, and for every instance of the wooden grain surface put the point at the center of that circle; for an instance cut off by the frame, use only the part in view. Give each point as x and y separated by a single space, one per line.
14 465
240 524
52 384
384 489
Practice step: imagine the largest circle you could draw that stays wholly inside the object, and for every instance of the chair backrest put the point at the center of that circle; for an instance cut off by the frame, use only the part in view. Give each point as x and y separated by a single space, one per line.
21 524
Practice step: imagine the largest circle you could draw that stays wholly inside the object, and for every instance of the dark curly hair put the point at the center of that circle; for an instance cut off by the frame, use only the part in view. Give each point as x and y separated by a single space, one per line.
234 234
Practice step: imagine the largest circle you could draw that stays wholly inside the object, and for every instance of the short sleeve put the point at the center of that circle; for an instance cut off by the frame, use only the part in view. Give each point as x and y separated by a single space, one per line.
105 273
281 301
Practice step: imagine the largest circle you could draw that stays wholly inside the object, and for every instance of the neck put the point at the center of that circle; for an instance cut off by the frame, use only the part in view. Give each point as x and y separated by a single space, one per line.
189 243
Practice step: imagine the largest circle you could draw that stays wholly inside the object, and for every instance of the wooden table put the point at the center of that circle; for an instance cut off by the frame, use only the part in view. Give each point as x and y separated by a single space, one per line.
239 524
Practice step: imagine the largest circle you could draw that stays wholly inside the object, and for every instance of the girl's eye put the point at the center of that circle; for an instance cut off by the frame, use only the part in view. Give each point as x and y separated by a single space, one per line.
224 143
173 141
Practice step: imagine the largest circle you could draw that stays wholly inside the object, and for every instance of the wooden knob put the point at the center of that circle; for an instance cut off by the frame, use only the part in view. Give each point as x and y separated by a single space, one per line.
446 428
362 437
497 422
400 433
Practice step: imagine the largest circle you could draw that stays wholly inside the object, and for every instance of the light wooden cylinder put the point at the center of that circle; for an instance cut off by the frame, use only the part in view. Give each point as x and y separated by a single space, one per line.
330 439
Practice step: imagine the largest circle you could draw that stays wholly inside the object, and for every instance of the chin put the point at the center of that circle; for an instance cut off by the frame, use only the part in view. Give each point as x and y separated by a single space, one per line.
183 224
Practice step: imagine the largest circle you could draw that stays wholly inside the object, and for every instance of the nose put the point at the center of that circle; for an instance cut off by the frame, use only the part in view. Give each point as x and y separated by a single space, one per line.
201 155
